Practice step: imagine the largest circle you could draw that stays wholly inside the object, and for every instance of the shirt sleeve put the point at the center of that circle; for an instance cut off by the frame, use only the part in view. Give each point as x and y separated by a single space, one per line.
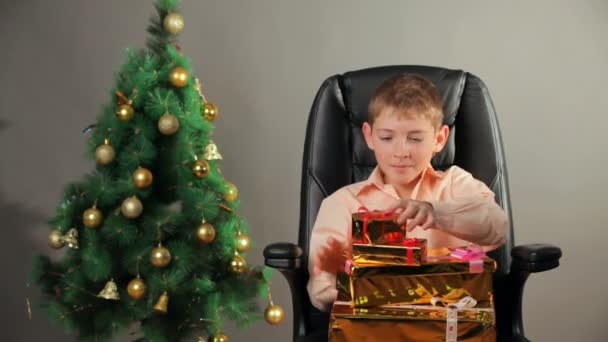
471 214
333 220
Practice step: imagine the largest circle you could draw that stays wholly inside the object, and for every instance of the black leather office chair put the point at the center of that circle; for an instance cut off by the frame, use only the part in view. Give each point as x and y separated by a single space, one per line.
335 155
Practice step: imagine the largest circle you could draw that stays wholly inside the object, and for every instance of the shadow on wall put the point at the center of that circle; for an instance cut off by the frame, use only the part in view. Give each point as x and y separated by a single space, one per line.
24 233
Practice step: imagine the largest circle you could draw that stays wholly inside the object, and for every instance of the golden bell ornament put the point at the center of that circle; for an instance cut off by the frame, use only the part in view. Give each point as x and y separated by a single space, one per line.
274 314
142 178
162 303
173 23
168 124
210 111
160 256
231 192
131 207
211 152
71 238
238 264
92 217
104 153
201 168
219 337
242 242
179 77
124 112
110 291
55 239
137 288
205 232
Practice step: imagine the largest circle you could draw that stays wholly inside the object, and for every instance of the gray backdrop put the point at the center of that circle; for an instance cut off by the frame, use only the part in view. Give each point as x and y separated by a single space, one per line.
545 62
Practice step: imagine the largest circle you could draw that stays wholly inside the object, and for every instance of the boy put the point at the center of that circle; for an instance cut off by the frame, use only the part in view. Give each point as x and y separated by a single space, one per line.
450 209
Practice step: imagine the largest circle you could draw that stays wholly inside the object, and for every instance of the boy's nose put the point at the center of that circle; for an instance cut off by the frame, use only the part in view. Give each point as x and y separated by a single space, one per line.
401 151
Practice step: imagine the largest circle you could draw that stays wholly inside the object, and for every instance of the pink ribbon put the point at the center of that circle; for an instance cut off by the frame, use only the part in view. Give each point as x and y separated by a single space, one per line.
474 255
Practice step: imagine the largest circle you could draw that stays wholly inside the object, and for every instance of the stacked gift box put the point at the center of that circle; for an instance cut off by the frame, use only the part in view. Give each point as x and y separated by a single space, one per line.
395 289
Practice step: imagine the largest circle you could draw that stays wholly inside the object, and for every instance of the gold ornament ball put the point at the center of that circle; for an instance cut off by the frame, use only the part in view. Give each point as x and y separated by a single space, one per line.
104 154
92 217
210 111
173 23
131 207
142 177
55 239
219 337
205 232
137 288
168 124
179 77
201 168
274 314
238 264
231 192
242 243
124 112
160 256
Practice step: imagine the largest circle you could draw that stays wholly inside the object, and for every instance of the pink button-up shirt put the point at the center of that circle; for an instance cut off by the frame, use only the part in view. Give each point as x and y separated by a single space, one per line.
464 208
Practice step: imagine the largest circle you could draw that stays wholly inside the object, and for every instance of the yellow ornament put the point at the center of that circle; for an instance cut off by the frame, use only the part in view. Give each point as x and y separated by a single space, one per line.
274 314
131 207
173 23
205 232
238 264
55 239
219 337
71 238
179 77
92 217
142 177
211 152
201 168
137 288
124 112
210 111
162 303
160 256
168 124
242 242
110 291
104 154
231 192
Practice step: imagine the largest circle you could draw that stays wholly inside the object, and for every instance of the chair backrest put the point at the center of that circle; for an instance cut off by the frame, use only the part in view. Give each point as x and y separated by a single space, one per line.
335 152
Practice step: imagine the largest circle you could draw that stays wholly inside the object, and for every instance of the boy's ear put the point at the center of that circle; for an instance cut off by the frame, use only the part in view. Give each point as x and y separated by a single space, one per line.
367 134
441 138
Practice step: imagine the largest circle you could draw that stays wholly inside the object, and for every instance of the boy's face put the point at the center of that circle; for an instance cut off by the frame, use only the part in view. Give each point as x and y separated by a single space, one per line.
403 146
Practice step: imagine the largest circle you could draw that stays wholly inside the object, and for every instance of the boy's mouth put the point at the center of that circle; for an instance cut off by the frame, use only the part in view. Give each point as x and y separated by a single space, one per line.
402 166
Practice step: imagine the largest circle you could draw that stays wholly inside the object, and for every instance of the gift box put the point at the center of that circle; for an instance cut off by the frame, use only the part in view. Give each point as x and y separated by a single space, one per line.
410 252
377 239
450 277
466 320
375 227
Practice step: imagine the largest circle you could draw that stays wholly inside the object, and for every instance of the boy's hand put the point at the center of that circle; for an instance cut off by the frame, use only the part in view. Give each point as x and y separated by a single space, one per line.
331 257
414 213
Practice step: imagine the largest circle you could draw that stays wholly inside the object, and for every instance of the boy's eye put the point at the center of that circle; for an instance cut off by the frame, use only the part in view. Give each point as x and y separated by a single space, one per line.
386 138
415 139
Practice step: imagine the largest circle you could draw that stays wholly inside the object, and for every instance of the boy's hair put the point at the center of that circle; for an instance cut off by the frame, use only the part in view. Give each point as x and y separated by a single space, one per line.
407 95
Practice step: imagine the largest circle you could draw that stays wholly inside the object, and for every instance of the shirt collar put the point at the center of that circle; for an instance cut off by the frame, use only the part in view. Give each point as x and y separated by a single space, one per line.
376 179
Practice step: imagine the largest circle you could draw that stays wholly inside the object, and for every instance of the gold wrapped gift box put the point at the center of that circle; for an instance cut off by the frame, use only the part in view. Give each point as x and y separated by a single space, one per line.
376 284
409 323
374 227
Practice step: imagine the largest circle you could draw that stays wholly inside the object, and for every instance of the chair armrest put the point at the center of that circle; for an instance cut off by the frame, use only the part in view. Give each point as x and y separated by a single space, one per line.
527 259
283 256
535 258
287 258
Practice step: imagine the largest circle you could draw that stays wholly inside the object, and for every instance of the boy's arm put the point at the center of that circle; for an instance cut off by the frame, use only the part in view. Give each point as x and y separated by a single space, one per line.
333 220
472 214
